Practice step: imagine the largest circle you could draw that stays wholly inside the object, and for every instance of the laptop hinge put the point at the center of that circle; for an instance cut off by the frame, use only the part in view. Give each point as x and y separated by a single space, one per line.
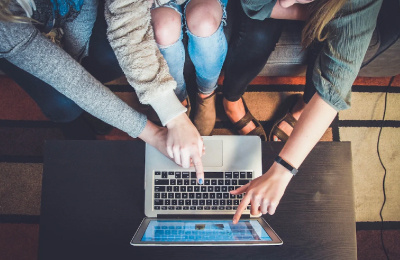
214 216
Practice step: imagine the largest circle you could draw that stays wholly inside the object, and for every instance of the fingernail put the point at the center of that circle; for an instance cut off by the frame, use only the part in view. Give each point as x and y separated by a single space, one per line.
275 139
200 181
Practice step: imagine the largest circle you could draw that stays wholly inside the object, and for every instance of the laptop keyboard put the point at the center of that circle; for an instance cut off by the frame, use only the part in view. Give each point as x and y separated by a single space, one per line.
180 190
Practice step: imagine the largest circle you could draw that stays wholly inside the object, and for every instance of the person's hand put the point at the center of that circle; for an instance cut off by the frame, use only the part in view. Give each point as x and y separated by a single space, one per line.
185 145
263 193
156 136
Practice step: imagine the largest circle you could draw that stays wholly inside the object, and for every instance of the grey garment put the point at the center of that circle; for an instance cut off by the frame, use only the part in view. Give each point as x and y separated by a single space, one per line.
24 46
258 9
340 59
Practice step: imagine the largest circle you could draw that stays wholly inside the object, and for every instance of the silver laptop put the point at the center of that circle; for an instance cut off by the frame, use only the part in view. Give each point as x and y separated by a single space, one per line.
181 212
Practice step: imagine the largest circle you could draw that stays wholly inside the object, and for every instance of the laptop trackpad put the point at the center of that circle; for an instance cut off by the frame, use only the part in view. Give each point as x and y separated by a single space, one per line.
214 153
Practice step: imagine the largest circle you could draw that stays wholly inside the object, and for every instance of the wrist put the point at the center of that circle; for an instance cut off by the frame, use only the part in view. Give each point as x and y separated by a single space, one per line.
281 172
176 121
287 165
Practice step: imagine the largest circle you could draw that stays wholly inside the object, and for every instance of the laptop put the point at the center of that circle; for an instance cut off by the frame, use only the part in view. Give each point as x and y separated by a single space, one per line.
180 212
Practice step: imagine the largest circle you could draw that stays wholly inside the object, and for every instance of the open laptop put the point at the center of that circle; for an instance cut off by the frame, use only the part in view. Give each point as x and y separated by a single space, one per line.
180 212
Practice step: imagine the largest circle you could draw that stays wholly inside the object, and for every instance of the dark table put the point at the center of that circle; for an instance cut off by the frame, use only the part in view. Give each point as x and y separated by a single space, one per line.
93 202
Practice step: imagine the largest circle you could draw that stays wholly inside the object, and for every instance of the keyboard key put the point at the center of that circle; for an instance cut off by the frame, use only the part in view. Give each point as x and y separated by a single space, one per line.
157 173
164 207
156 207
170 195
178 175
179 182
243 182
161 182
243 175
249 175
213 175
193 182
186 208
171 208
192 207
228 175
185 175
221 207
171 173
236 175
158 202
159 188
199 207
164 175
157 195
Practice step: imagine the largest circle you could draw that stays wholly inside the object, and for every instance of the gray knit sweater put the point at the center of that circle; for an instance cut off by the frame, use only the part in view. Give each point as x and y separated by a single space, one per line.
23 45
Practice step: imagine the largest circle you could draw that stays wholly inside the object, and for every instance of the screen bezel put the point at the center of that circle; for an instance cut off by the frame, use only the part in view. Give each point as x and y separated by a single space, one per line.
136 240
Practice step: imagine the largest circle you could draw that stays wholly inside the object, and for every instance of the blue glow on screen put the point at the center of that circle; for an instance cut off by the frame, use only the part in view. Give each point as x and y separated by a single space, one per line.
204 230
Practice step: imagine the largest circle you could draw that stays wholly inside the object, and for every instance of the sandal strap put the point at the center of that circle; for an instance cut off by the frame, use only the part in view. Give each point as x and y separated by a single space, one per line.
276 131
243 121
289 119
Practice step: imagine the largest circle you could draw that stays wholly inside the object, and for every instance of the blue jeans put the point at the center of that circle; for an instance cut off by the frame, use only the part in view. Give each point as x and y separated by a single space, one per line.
207 54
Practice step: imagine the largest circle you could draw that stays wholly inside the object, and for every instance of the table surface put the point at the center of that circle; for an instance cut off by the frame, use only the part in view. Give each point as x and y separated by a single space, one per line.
93 202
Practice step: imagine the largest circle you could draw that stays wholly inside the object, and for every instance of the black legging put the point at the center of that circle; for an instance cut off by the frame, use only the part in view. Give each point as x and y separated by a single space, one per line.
251 44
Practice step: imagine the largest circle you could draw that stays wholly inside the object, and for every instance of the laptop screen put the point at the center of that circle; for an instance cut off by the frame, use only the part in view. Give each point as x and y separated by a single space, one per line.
204 231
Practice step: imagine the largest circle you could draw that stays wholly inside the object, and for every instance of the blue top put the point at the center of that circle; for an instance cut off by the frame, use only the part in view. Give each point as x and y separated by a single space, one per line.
339 61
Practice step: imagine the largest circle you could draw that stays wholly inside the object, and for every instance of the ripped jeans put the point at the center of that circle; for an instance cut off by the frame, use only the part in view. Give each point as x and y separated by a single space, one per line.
207 54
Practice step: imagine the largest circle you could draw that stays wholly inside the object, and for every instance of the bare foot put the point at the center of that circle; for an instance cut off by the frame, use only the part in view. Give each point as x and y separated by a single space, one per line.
296 112
203 96
235 111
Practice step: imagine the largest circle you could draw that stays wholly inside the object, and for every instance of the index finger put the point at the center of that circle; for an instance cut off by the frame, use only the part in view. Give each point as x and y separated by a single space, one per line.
242 206
198 166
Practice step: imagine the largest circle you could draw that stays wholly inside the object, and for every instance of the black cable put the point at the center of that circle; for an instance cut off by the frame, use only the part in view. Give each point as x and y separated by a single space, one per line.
383 166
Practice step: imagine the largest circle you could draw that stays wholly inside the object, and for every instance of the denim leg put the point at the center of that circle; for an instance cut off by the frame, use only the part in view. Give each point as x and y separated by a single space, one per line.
54 105
175 56
208 55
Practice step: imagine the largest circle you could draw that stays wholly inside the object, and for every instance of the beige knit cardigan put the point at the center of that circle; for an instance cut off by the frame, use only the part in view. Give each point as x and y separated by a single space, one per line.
132 38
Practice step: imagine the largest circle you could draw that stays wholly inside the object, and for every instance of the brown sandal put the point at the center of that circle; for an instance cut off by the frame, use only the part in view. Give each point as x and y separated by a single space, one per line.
288 118
259 130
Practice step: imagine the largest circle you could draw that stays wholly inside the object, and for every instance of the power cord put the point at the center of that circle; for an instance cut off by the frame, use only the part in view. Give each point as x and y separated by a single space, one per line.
383 166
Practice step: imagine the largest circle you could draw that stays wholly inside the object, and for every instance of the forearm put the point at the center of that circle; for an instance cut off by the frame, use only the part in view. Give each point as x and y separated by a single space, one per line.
294 12
131 36
312 124
52 65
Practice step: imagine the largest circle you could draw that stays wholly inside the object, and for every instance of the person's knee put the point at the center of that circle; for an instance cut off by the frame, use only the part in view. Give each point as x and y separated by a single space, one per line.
62 110
167 25
203 18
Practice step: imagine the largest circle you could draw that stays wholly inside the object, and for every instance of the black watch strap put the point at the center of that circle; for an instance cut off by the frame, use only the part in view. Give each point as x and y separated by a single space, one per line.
285 164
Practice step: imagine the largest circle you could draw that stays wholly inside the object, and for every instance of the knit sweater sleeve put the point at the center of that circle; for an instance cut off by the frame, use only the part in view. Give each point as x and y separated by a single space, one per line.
24 46
131 36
